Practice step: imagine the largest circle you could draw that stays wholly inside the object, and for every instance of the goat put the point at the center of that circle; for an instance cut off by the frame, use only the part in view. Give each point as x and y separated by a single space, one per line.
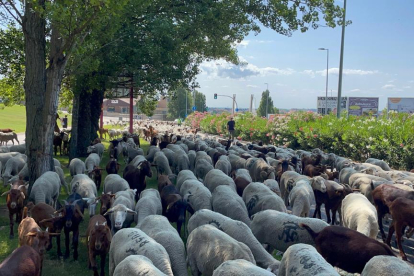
402 212
57 142
309 160
311 170
23 261
99 240
112 166
15 199
135 176
106 204
96 176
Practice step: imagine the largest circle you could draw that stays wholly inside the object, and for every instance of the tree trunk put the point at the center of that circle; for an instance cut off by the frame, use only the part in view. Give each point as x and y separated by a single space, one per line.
73 152
84 122
41 91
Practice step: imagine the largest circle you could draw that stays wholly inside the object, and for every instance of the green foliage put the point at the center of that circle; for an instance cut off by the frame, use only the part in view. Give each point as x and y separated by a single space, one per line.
177 103
147 105
261 111
200 101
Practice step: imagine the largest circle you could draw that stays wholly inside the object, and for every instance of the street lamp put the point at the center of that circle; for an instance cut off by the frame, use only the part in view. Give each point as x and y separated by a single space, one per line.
267 98
341 64
327 74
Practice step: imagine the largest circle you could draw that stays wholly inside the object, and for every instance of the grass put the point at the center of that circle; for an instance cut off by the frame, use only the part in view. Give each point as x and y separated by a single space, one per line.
52 264
13 117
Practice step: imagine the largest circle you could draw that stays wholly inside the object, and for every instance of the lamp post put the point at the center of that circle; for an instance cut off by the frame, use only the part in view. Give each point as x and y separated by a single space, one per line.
267 98
341 64
327 74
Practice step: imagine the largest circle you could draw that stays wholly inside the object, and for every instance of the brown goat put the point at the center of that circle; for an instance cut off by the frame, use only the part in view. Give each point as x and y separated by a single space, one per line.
241 184
96 176
112 167
163 180
332 199
383 196
402 211
332 175
99 240
15 200
351 255
6 130
106 204
311 170
23 261
310 160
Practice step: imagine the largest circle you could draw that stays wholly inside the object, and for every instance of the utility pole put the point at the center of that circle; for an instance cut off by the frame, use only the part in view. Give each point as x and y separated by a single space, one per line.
267 98
234 102
251 104
341 64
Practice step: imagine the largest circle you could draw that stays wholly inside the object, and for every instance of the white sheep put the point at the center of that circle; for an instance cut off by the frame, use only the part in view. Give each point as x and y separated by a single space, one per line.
181 161
13 166
240 268
76 166
216 178
360 215
191 158
86 188
183 176
133 241
238 231
243 173
161 162
61 174
379 163
287 182
23 174
196 194
18 148
137 160
148 204
208 247
202 168
114 183
159 228
227 202
121 212
91 161
134 152
303 260
387 266
281 230
273 186
259 197
223 164
137 265
98 148
302 196
237 162
46 189
170 156
151 153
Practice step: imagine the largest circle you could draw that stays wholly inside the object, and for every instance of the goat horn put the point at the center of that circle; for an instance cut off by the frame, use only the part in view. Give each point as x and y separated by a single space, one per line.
356 190
5 193
79 212
47 229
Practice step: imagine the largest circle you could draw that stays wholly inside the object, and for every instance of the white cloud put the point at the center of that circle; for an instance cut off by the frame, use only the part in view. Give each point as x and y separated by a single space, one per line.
407 87
411 81
335 71
355 90
227 70
311 73
388 86
251 85
391 81
243 43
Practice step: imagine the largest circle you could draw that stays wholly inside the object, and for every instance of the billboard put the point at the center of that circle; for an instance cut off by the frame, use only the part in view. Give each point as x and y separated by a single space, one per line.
331 101
359 106
401 105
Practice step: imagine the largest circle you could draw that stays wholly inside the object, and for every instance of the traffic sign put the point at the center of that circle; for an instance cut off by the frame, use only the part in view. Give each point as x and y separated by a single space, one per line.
237 110
194 108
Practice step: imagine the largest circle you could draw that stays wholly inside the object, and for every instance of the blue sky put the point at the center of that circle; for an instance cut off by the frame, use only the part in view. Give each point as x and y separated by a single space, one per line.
378 60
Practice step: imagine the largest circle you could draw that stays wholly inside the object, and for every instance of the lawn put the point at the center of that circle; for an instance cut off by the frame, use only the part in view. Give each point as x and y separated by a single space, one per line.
14 117
52 265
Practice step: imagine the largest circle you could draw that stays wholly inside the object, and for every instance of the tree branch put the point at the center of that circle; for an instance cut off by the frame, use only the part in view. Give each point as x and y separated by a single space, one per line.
19 17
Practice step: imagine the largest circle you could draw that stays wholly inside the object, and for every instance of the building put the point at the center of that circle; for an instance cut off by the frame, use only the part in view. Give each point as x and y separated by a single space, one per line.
120 108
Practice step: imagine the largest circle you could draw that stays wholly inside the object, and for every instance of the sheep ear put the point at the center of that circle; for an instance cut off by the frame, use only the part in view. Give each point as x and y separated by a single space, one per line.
131 211
110 211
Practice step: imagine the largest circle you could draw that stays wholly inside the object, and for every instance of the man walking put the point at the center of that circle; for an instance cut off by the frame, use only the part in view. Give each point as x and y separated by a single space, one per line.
230 127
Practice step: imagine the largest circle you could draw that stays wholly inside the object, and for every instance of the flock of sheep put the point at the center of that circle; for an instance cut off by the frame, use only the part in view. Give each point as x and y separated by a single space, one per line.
239 204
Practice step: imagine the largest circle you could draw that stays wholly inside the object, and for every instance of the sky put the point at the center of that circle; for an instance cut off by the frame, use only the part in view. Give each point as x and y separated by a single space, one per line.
378 60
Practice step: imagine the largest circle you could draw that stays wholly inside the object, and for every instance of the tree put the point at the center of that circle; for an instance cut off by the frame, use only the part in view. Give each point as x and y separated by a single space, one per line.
200 101
261 111
147 105
177 103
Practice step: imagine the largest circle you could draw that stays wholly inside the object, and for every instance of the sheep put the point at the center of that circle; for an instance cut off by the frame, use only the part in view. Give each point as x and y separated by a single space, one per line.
302 260
196 194
121 212
351 255
46 189
137 265
202 168
161 162
216 178
227 202
76 166
238 231
259 169
14 265
114 183
223 164
158 228
191 158
91 161
170 156
148 204
20 148
8 136
259 197
183 176
98 148
236 162
360 215
379 163
137 160
151 153
287 182
208 247
386 266
281 230
240 268
132 153
241 178
302 196
273 186
86 188
132 241
13 166
61 174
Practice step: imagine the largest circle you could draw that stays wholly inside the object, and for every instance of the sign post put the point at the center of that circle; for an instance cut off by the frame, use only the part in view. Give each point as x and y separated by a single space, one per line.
330 104
359 106
401 105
